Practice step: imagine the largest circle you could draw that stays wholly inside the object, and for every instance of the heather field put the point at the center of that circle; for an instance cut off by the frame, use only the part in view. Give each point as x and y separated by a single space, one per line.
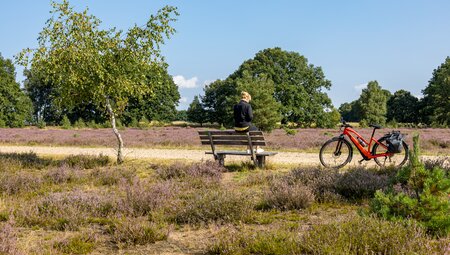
433 141
84 204
88 205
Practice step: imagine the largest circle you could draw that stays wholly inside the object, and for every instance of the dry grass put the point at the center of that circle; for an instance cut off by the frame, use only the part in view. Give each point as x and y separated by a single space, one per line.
47 207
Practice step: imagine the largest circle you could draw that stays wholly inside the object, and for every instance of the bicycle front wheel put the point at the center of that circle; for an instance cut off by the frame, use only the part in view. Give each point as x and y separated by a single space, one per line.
391 159
336 153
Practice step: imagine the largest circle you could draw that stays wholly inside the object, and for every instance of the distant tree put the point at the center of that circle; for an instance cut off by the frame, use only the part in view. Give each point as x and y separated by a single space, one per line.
373 102
105 67
15 106
265 108
44 95
403 107
161 104
351 111
329 119
181 115
299 86
437 96
196 113
219 100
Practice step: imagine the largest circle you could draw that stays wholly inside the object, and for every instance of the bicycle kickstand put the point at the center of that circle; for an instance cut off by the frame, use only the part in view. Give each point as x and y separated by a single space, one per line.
360 161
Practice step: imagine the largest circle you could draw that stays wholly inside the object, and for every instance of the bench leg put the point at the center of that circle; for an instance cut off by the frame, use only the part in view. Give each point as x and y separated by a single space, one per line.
221 159
261 161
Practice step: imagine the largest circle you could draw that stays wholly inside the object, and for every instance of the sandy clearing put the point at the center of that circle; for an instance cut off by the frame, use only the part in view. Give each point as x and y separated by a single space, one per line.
300 158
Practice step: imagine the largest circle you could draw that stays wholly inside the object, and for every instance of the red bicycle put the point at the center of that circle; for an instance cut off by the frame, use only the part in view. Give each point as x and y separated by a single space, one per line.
337 152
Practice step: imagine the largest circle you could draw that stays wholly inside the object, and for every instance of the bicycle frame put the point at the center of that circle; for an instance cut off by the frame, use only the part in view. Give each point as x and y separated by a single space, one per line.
367 155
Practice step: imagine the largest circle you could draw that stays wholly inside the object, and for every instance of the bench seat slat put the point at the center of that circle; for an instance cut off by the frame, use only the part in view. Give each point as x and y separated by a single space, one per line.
239 142
264 153
225 137
229 132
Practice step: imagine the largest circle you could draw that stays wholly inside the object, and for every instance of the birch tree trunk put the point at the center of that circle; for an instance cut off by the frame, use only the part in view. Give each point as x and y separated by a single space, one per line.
116 132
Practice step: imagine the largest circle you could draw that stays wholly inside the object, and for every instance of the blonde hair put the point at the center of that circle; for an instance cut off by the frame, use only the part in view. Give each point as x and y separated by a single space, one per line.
246 96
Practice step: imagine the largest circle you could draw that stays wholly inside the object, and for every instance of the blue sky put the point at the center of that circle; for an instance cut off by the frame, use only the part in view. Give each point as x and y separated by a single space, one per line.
398 43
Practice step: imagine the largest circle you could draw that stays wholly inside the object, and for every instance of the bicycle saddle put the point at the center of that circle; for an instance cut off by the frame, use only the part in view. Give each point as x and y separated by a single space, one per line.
375 126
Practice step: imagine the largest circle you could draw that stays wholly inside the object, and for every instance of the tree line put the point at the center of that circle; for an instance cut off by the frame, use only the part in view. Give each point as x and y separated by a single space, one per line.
287 90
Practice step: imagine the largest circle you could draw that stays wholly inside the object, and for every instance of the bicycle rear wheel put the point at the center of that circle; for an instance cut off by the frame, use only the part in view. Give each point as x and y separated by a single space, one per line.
393 159
335 153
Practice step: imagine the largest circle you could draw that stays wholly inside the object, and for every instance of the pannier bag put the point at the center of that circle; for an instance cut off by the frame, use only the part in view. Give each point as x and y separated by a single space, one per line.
395 142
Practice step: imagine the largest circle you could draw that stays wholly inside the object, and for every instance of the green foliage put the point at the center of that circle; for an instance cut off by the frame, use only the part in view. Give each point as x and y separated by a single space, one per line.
79 124
181 115
436 101
329 119
196 113
65 123
15 106
403 107
73 44
373 104
220 96
158 105
297 87
420 194
290 131
265 107
78 244
41 124
351 111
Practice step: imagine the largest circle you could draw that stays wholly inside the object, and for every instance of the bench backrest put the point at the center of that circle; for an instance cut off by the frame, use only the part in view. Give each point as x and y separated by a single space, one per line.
231 137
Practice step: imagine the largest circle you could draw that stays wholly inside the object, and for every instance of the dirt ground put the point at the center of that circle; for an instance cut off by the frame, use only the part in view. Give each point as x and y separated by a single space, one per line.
288 158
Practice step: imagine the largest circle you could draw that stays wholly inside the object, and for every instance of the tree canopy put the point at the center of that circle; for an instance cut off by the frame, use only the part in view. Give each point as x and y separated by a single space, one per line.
373 101
437 95
15 106
102 67
298 88
403 107
265 107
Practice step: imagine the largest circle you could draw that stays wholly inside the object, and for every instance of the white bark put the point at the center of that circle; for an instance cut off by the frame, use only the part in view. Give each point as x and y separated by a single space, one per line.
116 132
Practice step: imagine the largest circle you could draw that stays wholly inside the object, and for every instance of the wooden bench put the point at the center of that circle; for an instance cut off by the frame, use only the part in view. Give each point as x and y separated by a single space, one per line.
232 138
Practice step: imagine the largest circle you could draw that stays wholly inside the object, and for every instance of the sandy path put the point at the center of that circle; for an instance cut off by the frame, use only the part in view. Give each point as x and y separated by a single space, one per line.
175 154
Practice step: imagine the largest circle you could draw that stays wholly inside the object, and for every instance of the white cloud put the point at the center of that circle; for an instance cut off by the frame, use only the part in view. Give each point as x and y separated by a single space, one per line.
207 82
185 83
360 87
183 100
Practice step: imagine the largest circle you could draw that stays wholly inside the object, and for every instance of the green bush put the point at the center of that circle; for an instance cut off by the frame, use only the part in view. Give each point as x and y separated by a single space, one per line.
65 123
79 123
78 244
419 194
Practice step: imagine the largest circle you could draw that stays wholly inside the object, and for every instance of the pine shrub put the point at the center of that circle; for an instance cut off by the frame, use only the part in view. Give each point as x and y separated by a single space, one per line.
421 194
